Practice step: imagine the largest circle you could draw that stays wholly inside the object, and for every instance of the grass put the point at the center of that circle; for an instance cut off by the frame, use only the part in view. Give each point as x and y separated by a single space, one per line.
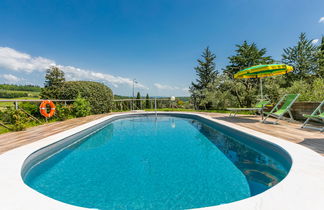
30 93
5 104
3 130
192 110
189 110
30 124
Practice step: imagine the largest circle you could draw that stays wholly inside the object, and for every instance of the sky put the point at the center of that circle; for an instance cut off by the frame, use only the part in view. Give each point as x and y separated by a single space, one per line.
156 42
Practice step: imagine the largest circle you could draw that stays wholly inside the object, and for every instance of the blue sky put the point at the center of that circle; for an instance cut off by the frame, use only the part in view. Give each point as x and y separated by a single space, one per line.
155 41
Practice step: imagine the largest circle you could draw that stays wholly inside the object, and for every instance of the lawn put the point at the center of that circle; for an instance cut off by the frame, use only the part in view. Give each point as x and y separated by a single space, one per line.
5 104
3 130
192 110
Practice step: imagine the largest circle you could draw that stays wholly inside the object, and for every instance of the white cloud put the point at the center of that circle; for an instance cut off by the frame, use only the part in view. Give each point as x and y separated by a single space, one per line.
321 20
12 79
73 73
314 41
166 87
14 60
171 88
185 90
18 61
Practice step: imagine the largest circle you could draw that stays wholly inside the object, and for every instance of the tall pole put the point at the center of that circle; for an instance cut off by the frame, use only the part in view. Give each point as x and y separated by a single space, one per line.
155 107
261 88
133 97
134 80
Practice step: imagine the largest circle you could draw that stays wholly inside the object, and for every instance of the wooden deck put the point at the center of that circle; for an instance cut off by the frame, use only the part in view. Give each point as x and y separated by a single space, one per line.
12 140
288 131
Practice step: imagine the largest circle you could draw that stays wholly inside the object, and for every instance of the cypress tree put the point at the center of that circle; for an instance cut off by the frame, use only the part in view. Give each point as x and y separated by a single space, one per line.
147 102
206 72
138 102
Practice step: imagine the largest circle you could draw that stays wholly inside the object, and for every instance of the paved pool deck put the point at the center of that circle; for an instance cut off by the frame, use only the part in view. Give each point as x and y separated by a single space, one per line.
290 131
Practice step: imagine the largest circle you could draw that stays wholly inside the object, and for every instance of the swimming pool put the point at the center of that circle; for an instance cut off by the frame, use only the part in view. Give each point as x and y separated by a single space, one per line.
173 161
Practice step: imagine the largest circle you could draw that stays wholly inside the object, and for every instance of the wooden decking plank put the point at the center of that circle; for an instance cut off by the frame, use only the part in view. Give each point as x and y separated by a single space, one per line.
285 130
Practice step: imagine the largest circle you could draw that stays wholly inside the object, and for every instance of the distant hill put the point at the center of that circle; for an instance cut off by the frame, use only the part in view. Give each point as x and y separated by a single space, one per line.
31 88
18 91
182 98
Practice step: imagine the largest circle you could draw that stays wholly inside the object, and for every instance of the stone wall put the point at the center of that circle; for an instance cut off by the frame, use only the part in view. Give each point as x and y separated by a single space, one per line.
300 108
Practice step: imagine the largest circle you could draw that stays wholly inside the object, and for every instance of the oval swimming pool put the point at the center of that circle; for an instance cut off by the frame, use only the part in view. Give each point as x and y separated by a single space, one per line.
147 162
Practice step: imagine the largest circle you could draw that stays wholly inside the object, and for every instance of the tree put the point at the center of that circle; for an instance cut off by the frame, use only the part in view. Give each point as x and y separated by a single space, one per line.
320 70
54 80
302 57
247 55
97 94
147 102
205 70
138 101
54 77
206 74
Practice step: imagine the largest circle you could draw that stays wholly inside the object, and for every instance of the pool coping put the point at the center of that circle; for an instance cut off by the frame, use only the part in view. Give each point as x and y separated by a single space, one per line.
303 188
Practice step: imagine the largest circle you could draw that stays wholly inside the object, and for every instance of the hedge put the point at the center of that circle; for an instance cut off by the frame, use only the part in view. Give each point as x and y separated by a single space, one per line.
12 94
97 94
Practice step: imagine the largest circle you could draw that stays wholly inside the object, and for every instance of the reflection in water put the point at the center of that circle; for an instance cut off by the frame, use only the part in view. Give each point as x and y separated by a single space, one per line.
261 171
102 138
173 124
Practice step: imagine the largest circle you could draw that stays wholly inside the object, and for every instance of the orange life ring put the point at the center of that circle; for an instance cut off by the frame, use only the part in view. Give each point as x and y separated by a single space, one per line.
43 111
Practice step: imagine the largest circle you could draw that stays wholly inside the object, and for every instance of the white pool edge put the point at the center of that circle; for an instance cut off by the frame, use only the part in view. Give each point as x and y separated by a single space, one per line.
302 189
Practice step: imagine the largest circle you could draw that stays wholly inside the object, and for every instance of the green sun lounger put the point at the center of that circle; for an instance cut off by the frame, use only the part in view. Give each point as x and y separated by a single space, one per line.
257 108
287 101
317 116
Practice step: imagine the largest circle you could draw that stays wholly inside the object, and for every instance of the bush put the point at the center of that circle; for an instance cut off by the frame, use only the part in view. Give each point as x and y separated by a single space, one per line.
63 112
16 118
81 107
98 95
308 91
31 107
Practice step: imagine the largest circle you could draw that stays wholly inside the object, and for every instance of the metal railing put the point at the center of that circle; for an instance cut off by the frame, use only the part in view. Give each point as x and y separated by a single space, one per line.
15 101
140 104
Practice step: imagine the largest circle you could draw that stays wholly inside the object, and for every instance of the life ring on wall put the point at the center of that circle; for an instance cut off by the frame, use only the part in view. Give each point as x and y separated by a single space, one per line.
43 111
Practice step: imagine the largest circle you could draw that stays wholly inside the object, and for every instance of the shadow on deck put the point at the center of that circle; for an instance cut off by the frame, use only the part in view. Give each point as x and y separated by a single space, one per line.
290 131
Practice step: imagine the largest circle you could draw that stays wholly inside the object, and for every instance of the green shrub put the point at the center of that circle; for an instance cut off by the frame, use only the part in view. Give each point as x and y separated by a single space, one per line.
318 90
308 91
63 112
16 118
31 107
81 107
98 95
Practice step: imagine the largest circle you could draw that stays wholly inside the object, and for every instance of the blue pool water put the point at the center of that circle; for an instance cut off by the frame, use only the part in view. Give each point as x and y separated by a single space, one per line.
149 163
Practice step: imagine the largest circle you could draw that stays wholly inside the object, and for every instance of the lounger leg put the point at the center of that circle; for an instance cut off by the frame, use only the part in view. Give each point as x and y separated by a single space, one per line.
235 113
305 123
291 117
266 117
279 118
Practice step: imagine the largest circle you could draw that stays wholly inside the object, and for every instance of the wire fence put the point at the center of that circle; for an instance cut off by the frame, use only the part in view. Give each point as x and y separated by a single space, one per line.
142 104
15 102
118 105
